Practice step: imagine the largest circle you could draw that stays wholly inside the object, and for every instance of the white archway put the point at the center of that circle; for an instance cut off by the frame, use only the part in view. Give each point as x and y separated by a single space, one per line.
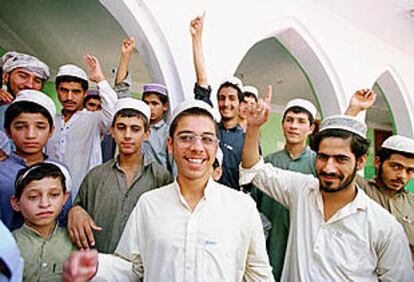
136 19
396 96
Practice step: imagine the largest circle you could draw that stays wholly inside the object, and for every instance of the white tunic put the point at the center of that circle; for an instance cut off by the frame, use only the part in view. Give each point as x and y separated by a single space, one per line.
360 242
220 240
77 143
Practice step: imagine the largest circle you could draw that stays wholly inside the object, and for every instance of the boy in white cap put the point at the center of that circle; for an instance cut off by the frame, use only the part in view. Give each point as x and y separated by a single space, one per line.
250 98
110 191
191 230
394 165
77 139
156 96
29 124
298 123
229 96
337 233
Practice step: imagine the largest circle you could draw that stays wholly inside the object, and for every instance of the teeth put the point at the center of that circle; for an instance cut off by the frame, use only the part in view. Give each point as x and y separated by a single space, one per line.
195 161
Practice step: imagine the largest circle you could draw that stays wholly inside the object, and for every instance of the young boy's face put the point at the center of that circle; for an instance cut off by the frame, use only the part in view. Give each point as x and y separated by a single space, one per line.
156 106
129 134
30 132
41 202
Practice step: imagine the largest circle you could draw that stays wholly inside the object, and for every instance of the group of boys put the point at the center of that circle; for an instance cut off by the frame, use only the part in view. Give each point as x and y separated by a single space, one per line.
324 227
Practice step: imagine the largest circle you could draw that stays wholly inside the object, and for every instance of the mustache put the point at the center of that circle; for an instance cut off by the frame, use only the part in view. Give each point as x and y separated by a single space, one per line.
329 174
399 181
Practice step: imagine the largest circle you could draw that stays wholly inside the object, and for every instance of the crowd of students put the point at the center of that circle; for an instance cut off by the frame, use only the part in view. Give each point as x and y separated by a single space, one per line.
114 188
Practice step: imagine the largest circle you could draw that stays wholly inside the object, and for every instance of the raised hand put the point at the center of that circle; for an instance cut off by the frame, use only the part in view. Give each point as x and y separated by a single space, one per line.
362 100
197 25
5 97
81 266
95 73
128 46
258 115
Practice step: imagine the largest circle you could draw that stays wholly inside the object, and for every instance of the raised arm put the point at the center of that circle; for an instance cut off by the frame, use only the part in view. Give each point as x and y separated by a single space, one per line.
108 95
256 117
127 49
196 30
361 100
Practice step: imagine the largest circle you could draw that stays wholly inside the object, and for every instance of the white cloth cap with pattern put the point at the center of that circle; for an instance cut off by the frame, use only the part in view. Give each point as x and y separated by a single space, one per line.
399 143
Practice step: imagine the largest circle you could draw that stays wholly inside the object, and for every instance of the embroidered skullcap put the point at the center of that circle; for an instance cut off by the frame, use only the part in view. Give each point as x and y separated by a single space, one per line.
13 60
399 143
155 88
348 123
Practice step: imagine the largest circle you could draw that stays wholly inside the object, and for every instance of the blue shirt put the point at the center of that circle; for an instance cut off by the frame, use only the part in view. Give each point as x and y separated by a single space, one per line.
230 141
8 172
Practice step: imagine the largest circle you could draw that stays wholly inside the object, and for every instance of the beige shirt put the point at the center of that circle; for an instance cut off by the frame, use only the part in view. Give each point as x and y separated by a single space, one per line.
401 205
360 242
220 240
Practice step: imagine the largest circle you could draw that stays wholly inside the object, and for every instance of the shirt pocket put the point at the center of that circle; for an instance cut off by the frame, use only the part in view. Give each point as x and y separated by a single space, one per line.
218 260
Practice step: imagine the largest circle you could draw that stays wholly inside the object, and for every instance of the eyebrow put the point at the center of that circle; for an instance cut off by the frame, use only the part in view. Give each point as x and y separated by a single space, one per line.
192 132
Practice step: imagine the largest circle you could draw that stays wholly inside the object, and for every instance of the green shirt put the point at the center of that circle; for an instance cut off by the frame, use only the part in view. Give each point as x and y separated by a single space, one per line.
275 212
43 258
107 199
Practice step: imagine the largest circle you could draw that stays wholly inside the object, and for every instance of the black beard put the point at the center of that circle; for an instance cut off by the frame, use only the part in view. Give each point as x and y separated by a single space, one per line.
342 185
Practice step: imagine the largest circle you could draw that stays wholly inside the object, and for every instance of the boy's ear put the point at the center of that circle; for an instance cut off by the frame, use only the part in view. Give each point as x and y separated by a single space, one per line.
147 134
170 145
15 203
66 197
165 107
52 130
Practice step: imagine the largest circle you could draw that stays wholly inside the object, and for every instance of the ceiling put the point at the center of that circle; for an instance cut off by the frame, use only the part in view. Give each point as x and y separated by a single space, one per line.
60 32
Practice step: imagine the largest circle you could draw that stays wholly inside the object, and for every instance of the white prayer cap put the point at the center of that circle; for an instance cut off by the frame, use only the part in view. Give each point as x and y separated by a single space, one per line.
348 123
72 70
133 104
66 173
251 89
233 81
219 156
302 103
14 60
37 97
193 104
399 143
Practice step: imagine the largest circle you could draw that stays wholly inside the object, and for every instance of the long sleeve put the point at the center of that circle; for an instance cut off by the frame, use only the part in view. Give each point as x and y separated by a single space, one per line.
109 98
257 263
203 94
113 268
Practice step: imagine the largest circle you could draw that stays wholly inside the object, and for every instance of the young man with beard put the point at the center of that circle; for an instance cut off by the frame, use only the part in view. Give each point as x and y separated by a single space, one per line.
394 164
77 139
191 230
110 191
337 233
229 97
20 72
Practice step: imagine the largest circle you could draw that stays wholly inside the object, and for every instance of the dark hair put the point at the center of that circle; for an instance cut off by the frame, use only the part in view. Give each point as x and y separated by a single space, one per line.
37 172
191 112
384 154
131 113
163 98
359 145
228 84
17 108
69 78
88 97
216 163
298 110
249 94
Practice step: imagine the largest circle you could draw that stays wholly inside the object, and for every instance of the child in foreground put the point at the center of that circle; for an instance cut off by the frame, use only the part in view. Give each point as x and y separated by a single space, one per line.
40 196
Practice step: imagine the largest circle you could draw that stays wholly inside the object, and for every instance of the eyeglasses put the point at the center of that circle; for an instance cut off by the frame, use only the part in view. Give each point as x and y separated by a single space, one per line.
185 140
